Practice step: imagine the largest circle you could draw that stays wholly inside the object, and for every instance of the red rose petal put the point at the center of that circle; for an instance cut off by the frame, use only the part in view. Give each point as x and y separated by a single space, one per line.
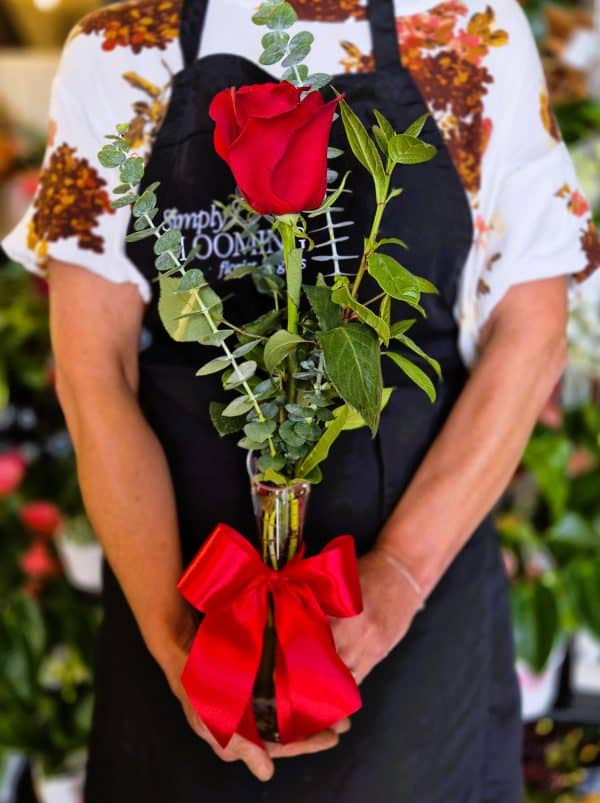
222 111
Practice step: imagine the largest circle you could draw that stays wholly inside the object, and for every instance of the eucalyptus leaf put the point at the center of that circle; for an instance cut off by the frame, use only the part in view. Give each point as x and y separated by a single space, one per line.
192 280
169 241
214 366
317 79
132 170
239 406
260 431
241 373
281 16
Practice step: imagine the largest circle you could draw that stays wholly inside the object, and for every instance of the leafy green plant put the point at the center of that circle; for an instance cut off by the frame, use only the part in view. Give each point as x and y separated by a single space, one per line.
550 529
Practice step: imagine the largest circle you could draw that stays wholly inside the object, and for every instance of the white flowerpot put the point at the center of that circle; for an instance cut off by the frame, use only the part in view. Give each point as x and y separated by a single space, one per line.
539 691
10 774
82 563
585 666
61 789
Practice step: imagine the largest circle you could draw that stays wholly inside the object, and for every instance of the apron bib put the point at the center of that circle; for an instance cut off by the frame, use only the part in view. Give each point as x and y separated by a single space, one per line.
397 750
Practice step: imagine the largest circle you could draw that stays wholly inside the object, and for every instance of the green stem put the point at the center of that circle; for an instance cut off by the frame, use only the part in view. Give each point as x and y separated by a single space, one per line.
372 238
286 227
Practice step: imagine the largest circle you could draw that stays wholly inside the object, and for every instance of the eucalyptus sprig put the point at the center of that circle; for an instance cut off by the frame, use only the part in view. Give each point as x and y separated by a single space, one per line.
279 46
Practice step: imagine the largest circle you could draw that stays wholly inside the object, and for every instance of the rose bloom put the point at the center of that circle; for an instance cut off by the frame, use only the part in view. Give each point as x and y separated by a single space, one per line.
41 517
275 144
37 562
12 471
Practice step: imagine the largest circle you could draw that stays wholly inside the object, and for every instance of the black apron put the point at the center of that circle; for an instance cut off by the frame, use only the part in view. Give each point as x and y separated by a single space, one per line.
440 720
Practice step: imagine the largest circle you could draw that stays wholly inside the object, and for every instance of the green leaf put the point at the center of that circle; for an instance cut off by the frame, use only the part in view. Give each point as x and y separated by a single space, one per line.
263 323
225 425
329 315
281 16
119 203
425 286
144 204
278 347
535 622
245 348
414 129
408 150
293 274
414 373
290 74
179 311
240 374
132 170
191 280
239 406
239 273
573 530
268 461
289 435
295 56
400 327
342 295
354 419
320 450
394 278
363 146
271 56
165 262
169 241
275 39
385 310
582 576
260 431
547 457
216 338
249 444
380 138
331 199
384 124
112 156
318 79
410 344
136 236
353 364
389 241
214 366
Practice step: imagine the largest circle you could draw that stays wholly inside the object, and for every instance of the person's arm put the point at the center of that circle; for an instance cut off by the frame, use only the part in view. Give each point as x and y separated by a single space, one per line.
125 480
522 354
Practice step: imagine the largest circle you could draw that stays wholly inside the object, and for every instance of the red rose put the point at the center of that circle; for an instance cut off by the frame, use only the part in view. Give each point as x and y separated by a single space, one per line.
12 471
41 517
38 563
275 144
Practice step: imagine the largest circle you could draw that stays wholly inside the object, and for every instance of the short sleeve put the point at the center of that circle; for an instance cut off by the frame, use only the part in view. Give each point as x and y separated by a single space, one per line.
70 217
538 223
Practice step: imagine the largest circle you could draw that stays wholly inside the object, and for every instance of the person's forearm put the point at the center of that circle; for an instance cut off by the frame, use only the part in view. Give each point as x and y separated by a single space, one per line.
128 494
475 455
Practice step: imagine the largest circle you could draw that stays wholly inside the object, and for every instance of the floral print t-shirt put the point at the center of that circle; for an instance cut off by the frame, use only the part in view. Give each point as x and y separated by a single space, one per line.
475 64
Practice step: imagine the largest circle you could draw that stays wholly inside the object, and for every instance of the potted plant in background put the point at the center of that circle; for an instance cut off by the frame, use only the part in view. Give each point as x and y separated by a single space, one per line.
550 530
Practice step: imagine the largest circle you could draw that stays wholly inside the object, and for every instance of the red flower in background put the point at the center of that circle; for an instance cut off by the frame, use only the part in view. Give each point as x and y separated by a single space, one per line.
42 517
38 562
275 144
12 471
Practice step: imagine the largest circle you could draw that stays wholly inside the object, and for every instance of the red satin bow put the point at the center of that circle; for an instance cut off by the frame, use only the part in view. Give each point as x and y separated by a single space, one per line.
228 581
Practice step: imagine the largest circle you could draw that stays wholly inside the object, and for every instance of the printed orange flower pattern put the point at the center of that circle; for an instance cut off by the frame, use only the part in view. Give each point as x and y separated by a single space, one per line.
149 113
329 10
69 201
589 238
137 24
446 58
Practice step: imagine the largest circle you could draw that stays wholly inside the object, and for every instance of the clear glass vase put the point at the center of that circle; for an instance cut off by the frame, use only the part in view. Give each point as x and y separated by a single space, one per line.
280 512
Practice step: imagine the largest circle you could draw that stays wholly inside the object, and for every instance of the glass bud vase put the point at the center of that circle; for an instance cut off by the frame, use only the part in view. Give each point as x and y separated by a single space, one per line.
280 512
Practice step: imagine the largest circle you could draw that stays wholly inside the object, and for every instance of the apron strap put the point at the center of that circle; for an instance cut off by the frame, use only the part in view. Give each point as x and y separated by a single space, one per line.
384 36
191 23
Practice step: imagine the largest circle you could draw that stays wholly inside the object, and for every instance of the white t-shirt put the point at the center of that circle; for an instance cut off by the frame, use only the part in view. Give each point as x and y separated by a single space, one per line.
476 66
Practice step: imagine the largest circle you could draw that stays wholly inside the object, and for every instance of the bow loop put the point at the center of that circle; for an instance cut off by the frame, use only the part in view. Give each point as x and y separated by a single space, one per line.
228 581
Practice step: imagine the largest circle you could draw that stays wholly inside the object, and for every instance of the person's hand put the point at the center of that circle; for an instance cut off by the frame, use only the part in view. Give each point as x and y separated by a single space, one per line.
389 606
259 761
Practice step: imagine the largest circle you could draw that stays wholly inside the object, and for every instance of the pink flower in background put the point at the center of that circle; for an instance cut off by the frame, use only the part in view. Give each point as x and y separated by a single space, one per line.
42 517
12 471
37 562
